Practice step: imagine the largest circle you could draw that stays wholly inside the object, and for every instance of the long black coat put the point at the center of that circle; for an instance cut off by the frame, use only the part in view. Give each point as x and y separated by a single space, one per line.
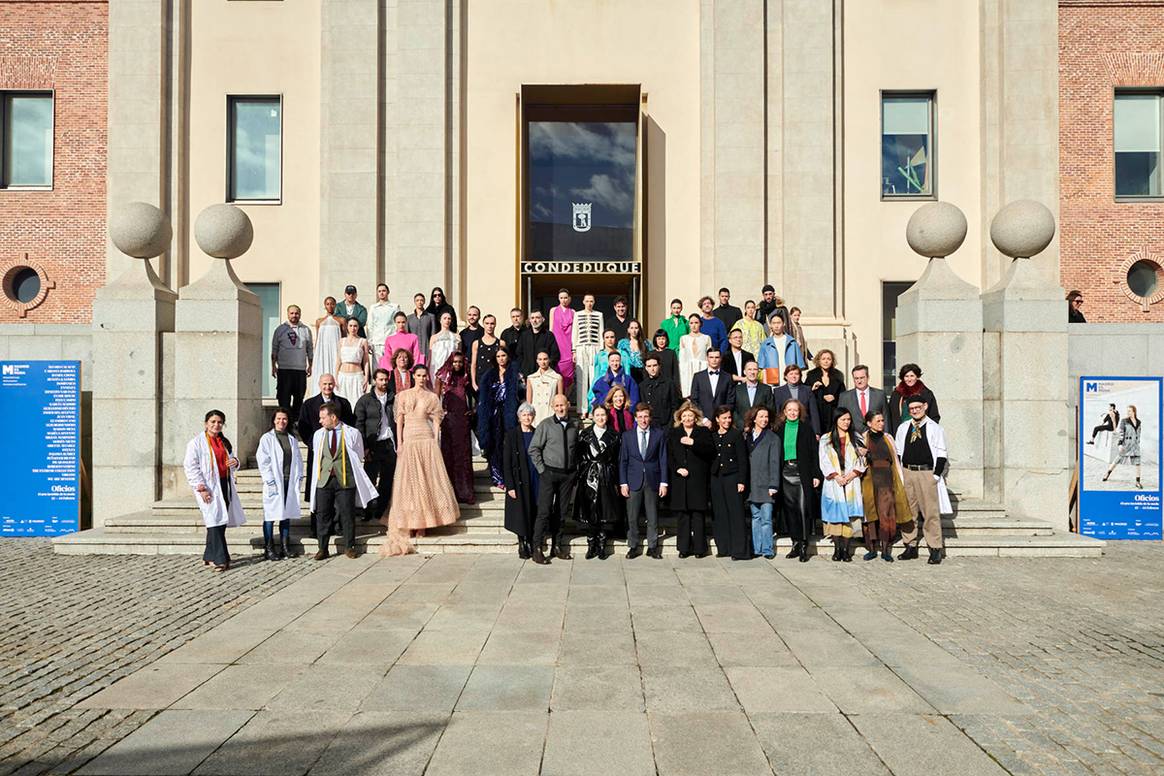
689 493
663 396
808 460
597 501
521 511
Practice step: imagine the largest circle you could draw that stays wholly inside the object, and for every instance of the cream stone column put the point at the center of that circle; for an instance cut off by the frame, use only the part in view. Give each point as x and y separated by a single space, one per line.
218 358
351 163
733 146
1025 371
417 150
939 328
129 316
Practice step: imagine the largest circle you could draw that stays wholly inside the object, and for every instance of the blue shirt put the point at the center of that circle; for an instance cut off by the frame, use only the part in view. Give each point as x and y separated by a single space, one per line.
713 327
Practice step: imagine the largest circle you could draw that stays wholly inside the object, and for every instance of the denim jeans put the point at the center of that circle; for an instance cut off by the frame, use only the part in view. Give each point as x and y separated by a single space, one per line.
761 528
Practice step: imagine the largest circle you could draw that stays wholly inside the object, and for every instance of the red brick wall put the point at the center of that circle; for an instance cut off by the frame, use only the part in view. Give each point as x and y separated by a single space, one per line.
60 46
1103 47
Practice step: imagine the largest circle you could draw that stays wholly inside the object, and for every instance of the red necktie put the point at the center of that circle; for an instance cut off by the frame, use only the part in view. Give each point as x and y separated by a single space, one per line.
333 442
864 407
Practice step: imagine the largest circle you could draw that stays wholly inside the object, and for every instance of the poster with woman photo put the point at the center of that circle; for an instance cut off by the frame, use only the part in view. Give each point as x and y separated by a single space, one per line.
1119 457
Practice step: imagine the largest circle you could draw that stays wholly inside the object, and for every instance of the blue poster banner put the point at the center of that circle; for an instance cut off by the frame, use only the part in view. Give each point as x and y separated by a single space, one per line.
1120 457
41 472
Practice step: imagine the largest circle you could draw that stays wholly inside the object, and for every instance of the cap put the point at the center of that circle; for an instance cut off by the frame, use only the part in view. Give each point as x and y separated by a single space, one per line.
349 289
915 400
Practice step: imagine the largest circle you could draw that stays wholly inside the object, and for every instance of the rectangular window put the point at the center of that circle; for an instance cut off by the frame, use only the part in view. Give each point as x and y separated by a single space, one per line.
256 149
907 145
1137 143
26 133
890 290
272 314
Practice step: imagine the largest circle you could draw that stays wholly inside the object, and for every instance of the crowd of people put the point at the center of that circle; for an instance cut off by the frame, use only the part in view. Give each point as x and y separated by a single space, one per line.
715 416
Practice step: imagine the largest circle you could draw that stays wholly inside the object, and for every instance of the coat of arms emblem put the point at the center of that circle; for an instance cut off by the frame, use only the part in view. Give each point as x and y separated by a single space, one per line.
581 221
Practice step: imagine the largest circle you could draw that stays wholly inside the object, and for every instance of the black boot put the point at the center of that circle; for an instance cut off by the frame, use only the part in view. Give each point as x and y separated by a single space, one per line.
601 543
561 552
523 548
836 549
283 550
845 556
797 550
935 557
269 549
539 557
591 548
909 554
804 556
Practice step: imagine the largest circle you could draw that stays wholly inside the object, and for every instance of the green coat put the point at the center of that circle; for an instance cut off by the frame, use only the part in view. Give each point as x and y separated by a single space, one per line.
675 328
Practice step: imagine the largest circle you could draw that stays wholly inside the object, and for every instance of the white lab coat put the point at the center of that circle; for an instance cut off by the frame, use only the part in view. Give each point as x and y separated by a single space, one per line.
936 438
278 505
365 490
201 470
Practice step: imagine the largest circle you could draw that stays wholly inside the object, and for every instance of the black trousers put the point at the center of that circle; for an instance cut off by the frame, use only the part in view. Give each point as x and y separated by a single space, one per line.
1104 426
381 468
335 504
795 503
290 385
552 489
216 551
692 531
731 525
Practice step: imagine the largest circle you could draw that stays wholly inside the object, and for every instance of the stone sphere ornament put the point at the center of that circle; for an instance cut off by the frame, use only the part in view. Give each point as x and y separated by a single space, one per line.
223 231
936 229
140 230
1022 229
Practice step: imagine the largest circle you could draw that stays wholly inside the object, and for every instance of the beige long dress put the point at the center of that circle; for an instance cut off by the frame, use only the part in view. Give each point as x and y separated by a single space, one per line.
422 495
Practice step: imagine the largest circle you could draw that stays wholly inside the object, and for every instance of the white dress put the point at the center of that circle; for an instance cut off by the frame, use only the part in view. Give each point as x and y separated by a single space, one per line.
444 346
692 358
350 385
544 388
326 352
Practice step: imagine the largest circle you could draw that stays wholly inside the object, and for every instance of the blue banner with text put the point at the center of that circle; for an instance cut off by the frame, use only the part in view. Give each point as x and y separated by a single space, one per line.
40 475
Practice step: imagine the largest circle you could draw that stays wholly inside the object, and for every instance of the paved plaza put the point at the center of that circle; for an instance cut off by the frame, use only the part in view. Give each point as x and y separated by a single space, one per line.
462 664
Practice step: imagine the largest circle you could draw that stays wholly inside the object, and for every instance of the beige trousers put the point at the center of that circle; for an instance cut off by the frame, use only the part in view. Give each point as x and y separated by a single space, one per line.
921 490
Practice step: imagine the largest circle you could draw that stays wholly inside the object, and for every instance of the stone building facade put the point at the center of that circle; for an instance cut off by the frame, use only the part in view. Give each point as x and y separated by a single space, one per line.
53 80
1108 50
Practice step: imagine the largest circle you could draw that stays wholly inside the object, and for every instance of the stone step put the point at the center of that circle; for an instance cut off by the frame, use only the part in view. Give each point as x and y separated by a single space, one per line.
102 541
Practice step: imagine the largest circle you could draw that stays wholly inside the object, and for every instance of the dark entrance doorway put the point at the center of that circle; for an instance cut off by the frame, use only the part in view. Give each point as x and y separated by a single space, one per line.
541 292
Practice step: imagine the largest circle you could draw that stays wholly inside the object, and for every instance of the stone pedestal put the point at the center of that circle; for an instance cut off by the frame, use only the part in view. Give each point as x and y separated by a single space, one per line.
218 358
939 327
129 317
1026 403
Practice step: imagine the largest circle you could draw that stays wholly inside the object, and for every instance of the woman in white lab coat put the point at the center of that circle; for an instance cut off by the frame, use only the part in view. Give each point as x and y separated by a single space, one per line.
210 465
281 467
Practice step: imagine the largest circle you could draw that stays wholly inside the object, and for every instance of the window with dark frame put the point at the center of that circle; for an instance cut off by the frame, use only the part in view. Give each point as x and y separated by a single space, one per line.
255 149
907 145
26 140
1136 120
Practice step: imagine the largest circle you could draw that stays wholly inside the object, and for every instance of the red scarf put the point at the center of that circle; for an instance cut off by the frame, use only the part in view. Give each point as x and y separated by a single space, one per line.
221 460
904 391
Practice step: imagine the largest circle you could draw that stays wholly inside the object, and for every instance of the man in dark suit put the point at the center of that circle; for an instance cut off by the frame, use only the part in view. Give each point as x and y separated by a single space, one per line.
792 388
711 387
308 424
861 398
642 477
511 333
736 358
375 422
752 393
659 393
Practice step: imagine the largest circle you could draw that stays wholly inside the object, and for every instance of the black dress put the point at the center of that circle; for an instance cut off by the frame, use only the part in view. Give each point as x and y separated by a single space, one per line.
731 526
522 478
597 503
486 355
688 496
836 386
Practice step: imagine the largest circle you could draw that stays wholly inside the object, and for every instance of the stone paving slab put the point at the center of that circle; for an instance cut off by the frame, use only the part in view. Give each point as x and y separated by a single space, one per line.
421 689
583 743
382 744
922 745
276 743
817 744
173 742
242 687
698 744
153 687
513 740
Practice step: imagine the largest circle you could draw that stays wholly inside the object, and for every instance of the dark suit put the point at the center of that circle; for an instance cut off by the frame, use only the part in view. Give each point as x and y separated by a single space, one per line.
689 495
706 399
876 401
308 424
741 404
783 393
380 465
729 362
663 397
643 475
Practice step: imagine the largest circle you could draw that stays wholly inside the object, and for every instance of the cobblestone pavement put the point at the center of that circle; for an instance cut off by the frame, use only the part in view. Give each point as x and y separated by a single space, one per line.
72 625
414 666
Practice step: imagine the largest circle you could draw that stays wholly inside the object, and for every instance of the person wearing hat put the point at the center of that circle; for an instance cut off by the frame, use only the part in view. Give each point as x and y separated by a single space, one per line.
350 308
921 443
